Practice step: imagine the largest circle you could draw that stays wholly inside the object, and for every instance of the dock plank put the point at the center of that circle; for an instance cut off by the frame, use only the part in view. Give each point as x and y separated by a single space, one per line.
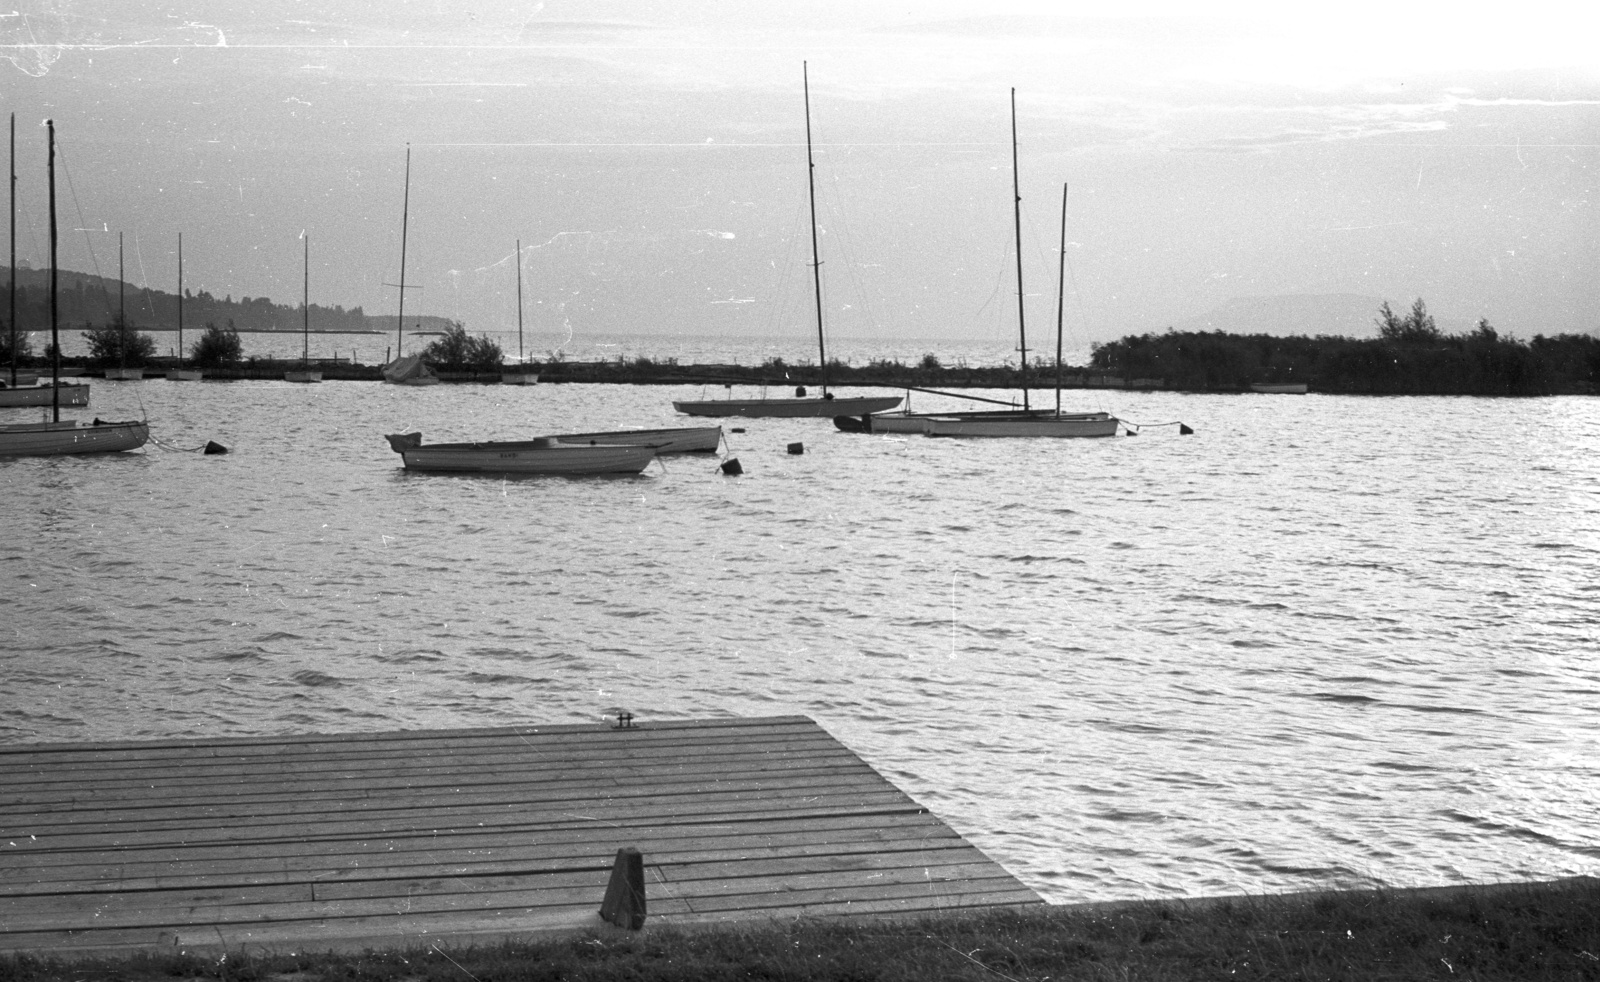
346 840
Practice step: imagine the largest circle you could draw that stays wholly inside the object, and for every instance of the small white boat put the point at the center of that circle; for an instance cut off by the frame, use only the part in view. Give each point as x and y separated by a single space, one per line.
1285 388
70 437
519 378
1037 424
302 375
542 455
679 439
71 394
788 408
184 375
124 374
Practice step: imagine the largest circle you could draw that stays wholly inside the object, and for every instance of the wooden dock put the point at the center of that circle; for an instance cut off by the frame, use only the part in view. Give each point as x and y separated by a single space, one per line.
384 840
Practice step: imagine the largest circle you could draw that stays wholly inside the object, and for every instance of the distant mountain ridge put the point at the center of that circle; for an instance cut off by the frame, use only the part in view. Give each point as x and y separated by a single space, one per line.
88 300
1349 315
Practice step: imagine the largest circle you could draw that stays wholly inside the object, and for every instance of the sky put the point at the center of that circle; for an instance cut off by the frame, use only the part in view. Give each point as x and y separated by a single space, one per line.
651 158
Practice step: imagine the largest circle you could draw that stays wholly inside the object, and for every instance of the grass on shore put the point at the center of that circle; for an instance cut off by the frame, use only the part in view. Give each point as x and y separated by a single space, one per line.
1521 932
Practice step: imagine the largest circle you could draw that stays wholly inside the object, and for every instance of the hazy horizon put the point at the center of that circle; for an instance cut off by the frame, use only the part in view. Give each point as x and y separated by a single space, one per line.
652 161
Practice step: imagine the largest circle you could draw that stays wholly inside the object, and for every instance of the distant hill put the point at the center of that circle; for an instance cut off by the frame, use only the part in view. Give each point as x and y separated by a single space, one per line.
1348 315
85 299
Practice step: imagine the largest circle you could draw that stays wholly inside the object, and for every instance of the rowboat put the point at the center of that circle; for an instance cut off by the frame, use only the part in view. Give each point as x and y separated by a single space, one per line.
542 455
49 439
679 439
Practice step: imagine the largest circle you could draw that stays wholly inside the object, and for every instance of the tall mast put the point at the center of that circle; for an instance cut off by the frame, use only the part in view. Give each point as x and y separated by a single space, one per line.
520 359
1061 295
122 316
305 306
1016 204
13 183
405 215
180 299
55 338
816 259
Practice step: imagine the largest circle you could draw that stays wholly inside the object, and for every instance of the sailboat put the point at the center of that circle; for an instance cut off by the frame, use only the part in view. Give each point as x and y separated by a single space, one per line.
828 405
58 436
181 374
521 376
23 389
1026 422
304 372
406 369
122 373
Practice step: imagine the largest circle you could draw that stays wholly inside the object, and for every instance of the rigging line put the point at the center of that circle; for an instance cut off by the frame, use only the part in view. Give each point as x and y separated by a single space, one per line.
83 223
144 281
852 267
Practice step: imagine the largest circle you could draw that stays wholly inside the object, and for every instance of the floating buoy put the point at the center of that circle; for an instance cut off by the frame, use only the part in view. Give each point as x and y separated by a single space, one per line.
737 429
800 392
213 447
1184 430
797 448
731 466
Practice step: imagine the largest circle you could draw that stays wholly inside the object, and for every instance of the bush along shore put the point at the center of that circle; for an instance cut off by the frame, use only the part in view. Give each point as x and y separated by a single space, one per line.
1522 932
1410 356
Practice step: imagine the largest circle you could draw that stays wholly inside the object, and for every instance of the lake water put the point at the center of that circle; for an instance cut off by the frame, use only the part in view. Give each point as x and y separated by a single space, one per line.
1324 641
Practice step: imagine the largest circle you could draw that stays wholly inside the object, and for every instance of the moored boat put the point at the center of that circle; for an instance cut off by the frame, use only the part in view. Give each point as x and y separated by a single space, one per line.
1284 388
50 439
68 394
679 439
830 405
542 455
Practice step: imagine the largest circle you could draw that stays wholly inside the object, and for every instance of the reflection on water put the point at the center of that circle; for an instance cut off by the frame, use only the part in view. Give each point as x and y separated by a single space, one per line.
1322 641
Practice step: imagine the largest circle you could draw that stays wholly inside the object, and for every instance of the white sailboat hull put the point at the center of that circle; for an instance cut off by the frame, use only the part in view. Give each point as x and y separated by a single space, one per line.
70 437
787 408
124 374
540 456
1025 425
684 439
302 376
39 395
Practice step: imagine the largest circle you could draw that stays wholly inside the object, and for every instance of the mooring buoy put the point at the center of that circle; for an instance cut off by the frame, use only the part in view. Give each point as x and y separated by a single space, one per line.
797 448
213 447
731 466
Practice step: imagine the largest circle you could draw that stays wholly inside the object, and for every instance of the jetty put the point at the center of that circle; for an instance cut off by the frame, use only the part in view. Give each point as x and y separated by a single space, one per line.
346 842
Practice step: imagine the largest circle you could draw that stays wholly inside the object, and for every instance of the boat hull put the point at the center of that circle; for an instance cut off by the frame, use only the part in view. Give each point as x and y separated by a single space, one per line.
184 375
302 376
71 437
124 375
528 379
1284 388
1046 426
39 395
541 456
682 439
787 408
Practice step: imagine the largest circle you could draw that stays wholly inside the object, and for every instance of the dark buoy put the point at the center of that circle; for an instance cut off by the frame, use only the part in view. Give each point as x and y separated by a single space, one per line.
797 448
1184 430
737 429
800 392
731 466
213 447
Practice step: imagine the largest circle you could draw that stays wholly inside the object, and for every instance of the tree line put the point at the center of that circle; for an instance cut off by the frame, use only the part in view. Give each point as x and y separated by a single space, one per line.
1410 356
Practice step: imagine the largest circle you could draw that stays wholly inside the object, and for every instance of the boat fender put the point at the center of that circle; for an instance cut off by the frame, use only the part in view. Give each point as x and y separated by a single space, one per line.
731 467
797 449
213 448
